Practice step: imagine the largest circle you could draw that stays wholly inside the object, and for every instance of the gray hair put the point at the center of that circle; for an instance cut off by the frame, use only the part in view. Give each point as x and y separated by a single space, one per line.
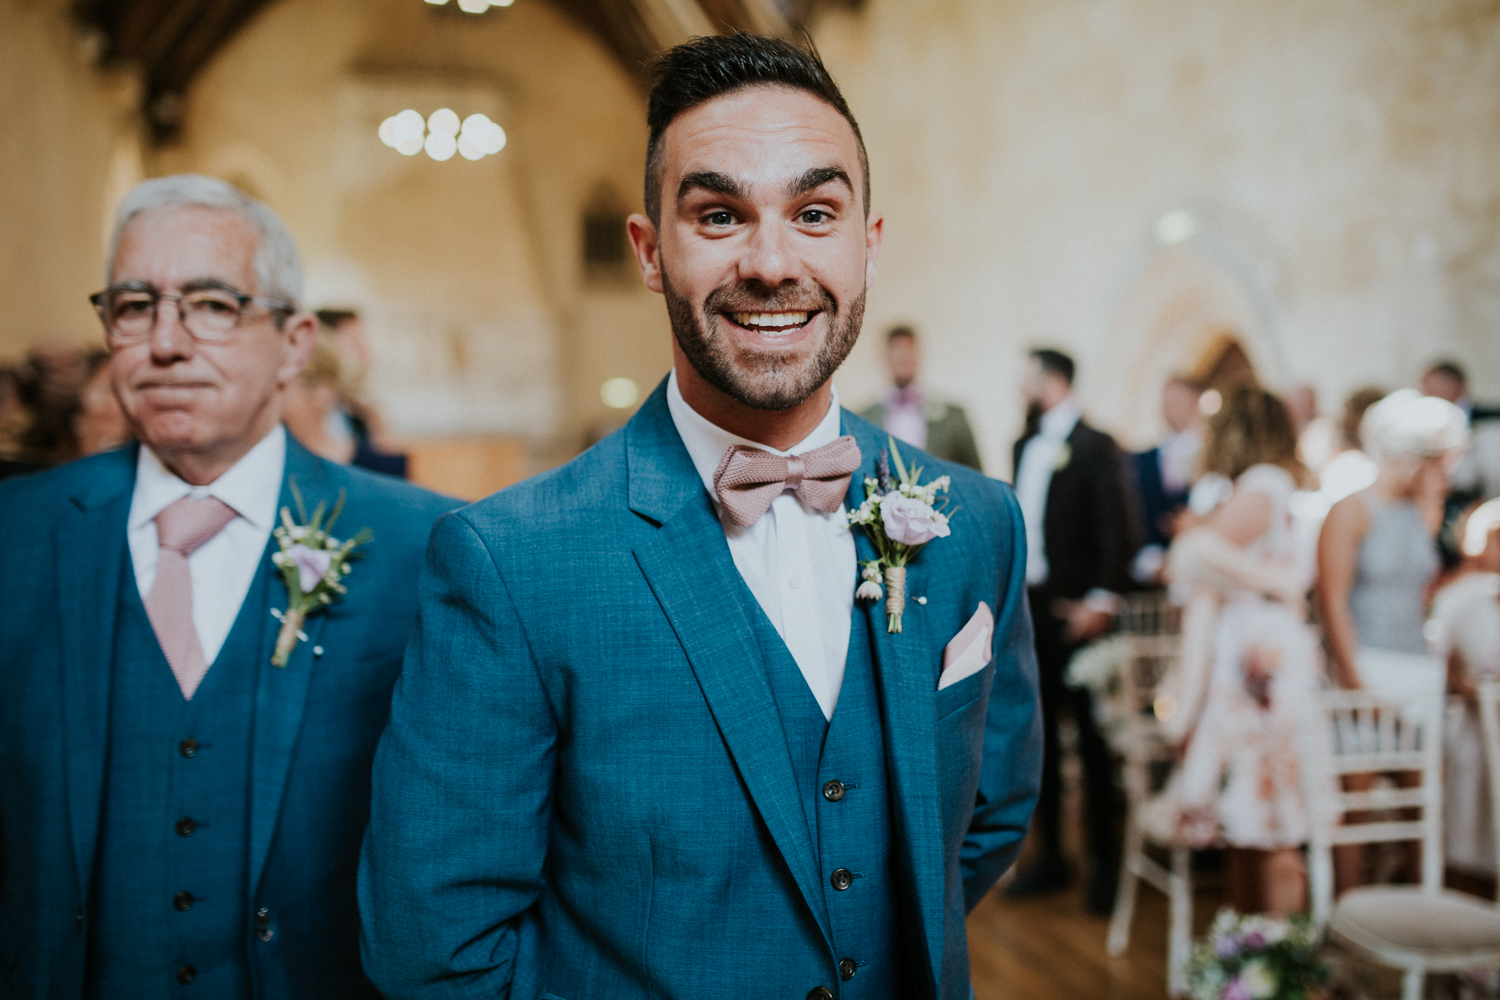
278 266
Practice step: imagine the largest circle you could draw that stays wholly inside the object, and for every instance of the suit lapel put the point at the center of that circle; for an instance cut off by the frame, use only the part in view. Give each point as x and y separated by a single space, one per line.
906 675
687 564
89 554
281 693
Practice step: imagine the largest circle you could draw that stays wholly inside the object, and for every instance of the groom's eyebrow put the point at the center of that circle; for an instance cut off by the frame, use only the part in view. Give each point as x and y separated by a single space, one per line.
710 180
816 178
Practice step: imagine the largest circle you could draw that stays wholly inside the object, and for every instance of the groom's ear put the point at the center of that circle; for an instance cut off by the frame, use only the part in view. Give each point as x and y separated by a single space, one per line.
643 241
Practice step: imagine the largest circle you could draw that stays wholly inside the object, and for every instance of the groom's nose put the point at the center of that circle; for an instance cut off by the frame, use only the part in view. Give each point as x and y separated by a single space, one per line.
768 256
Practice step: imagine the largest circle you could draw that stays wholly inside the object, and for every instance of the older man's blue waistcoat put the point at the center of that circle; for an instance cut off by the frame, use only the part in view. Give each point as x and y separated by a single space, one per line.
171 907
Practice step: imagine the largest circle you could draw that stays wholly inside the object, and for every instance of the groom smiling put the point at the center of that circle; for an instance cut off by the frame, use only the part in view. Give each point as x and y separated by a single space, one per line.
646 744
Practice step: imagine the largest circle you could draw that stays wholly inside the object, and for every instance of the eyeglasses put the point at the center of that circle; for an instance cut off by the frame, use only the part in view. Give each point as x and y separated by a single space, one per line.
210 315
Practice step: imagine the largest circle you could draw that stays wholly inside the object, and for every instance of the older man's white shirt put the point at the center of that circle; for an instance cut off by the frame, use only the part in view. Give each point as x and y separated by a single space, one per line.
224 566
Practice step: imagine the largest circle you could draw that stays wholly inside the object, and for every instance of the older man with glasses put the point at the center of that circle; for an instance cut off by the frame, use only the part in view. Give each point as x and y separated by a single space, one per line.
193 676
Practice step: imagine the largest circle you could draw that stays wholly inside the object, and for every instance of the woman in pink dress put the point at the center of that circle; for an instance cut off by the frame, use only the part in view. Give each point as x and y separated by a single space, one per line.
1249 658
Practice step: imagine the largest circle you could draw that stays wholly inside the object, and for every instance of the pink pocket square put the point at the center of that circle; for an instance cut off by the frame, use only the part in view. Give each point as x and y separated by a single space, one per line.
969 651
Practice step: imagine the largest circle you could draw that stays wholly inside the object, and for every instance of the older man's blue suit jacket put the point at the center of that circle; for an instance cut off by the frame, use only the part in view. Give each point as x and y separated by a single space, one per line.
585 790
316 723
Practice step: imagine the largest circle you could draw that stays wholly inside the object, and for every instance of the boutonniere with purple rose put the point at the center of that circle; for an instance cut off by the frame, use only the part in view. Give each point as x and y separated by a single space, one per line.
900 515
313 564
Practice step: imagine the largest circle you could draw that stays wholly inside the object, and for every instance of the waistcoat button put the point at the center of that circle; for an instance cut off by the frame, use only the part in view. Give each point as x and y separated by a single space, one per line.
842 879
188 747
183 901
833 790
186 974
847 968
820 993
185 826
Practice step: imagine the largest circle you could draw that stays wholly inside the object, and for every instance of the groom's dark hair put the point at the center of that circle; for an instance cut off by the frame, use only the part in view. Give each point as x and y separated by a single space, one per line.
702 69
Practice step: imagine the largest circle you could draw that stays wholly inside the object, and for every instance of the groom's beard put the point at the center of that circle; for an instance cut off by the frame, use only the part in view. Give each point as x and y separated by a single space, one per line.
761 380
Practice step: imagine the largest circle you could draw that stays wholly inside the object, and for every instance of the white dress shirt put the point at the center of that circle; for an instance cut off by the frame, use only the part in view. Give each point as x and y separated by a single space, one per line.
1039 459
798 561
222 567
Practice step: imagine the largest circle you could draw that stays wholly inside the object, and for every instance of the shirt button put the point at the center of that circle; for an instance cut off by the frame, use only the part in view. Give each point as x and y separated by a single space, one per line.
186 974
185 826
847 968
842 879
183 901
188 747
833 790
794 581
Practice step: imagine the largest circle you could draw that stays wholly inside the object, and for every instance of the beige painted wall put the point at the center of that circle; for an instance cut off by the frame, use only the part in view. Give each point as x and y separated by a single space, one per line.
469 274
1339 159
68 147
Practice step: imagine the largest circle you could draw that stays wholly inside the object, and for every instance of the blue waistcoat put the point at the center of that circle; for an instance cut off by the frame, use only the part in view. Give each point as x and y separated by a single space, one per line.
170 914
841 775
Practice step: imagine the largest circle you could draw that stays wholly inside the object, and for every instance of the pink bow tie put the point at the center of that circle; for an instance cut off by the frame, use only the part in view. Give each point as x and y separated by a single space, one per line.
748 479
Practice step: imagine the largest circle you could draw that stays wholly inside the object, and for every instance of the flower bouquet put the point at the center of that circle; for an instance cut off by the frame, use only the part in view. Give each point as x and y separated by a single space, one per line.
900 516
1257 958
313 564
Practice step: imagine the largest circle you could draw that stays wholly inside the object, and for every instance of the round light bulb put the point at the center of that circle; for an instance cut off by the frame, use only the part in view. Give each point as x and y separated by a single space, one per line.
1175 227
387 131
469 149
496 139
409 145
443 120
440 145
408 124
473 6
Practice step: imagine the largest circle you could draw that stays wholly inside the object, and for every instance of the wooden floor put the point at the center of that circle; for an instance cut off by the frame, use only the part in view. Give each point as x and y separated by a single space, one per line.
1051 948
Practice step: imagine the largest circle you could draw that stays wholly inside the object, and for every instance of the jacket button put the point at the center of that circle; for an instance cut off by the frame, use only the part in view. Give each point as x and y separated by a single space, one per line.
188 747
847 968
833 790
185 826
820 993
842 879
262 917
183 901
186 974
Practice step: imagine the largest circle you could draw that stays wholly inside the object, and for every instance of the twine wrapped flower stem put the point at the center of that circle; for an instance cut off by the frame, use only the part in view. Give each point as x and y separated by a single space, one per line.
313 564
900 516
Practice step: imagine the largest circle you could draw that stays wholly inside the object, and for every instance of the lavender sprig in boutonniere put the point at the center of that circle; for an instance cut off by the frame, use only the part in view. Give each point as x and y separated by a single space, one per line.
900 516
313 564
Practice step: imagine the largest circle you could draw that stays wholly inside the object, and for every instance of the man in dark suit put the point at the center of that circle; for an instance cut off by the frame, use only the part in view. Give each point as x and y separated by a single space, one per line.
645 743
176 812
910 415
1163 475
1070 482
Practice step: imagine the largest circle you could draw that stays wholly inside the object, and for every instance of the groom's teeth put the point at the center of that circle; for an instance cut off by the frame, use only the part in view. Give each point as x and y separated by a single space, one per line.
775 321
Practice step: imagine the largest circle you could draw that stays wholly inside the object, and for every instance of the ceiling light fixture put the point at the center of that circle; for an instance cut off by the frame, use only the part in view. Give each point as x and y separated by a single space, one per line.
441 134
474 6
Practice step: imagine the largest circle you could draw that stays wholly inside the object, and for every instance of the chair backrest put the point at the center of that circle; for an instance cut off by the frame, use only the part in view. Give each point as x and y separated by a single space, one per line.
1146 753
1356 732
1489 718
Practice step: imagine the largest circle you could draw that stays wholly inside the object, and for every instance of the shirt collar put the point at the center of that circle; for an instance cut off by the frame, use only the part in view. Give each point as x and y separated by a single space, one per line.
251 486
706 442
1058 422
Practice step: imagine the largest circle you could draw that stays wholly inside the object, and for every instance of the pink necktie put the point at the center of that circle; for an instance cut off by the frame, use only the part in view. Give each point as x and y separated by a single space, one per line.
748 479
181 528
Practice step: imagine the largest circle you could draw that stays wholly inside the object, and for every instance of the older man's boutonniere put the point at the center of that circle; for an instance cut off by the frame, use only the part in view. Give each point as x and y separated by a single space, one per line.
900 516
313 563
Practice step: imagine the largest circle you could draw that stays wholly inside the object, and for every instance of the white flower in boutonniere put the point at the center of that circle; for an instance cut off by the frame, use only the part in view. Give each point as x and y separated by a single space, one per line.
313 565
1064 456
900 516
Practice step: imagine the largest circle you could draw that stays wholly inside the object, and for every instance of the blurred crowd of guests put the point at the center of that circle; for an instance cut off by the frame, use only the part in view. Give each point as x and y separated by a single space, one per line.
1359 548
57 404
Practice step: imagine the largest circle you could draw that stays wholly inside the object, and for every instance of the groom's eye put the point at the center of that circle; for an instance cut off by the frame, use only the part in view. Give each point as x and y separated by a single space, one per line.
720 218
814 217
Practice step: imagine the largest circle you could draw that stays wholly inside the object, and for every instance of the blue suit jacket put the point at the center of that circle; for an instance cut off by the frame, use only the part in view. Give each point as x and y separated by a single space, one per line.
585 790
316 722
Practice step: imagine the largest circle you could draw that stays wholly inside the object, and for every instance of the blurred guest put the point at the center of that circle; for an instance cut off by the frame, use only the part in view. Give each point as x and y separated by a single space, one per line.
98 422
910 415
1350 469
1164 475
13 423
1248 658
1317 435
49 381
1377 555
1467 612
1478 474
1070 482
346 334
312 415
177 812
